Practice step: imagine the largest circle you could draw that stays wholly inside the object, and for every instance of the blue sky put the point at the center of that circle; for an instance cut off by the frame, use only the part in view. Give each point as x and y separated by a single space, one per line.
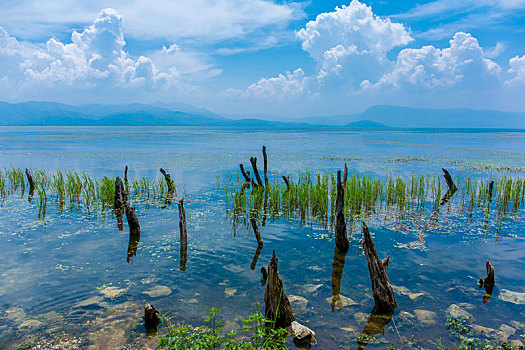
266 58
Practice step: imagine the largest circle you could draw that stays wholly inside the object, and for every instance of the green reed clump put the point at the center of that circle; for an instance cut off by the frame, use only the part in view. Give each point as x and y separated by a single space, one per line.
77 190
311 198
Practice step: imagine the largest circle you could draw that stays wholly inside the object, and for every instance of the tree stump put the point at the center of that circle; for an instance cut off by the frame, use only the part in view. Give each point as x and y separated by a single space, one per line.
246 174
265 158
491 187
488 283
253 160
183 236
264 275
151 320
169 181
31 185
126 175
121 196
337 275
341 239
385 301
133 221
256 232
276 304
448 179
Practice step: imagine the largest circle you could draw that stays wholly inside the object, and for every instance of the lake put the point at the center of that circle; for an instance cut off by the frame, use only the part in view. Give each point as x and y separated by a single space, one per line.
69 274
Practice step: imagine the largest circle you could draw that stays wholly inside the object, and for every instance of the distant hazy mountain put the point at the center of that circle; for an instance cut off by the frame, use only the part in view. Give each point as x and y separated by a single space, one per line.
158 114
406 117
54 114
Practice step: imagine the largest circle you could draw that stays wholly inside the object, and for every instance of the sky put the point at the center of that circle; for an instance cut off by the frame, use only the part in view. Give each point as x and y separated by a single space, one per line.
266 58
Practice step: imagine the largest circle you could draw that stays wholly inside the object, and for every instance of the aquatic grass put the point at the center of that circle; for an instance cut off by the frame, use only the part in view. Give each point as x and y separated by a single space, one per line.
311 197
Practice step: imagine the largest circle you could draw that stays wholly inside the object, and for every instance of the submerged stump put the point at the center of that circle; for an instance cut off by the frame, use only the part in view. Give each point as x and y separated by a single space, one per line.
253 160
169 181
385 301
246 174
488 282
265 158
276 304
337 275
183 236
286 181
341 239
31 185
151 320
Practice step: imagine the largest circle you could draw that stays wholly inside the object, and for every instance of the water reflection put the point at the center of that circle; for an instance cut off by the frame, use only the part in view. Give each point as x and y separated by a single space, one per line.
375 324
337 275
256 257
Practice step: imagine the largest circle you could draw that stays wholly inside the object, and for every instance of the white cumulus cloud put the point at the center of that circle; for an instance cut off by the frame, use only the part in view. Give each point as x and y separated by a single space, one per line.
95 58
461 63
517 67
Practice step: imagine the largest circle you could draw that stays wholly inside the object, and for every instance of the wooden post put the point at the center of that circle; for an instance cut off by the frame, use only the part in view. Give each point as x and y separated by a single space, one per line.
253 160
385 301
276 304
341 239
126 175
265 157
337 275
168 179
183 236
151 320
256 232
491 187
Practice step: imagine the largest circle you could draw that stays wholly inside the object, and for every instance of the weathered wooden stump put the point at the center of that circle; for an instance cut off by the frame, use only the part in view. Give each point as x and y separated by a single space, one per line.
256 232
246 174
169 181
255 257
31 185
264 275
121 196
449 181
253 160
151 320
491 187
276 304
183 236
385 301
337 275
126 175
133 221
341 239
265 158
488 282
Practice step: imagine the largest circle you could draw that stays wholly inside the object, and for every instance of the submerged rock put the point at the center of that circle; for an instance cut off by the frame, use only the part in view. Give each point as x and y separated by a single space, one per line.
426 317
94 300
158 291
229 292
298 301
459 310
303 337
113 292
512 297
405 291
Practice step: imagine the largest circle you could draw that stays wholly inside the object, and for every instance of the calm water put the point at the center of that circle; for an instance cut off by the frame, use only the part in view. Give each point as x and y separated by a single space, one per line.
56 272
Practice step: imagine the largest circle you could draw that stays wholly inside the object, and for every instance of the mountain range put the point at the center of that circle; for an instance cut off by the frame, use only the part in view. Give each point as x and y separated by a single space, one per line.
181 114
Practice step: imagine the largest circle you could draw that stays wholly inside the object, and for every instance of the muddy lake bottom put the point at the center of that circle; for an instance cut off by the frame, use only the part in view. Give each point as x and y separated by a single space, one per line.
67 276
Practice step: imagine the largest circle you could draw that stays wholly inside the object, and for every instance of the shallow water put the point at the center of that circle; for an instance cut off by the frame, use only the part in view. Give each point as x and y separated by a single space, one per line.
55 271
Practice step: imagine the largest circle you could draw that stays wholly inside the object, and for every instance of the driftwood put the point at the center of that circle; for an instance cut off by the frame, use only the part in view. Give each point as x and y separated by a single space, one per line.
488 282
183 236
341 239
375 324
276 304
246 175
265 158
168 179
337 275
151 320
385 301
31 185
286 181
256 232
264 275
253 160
